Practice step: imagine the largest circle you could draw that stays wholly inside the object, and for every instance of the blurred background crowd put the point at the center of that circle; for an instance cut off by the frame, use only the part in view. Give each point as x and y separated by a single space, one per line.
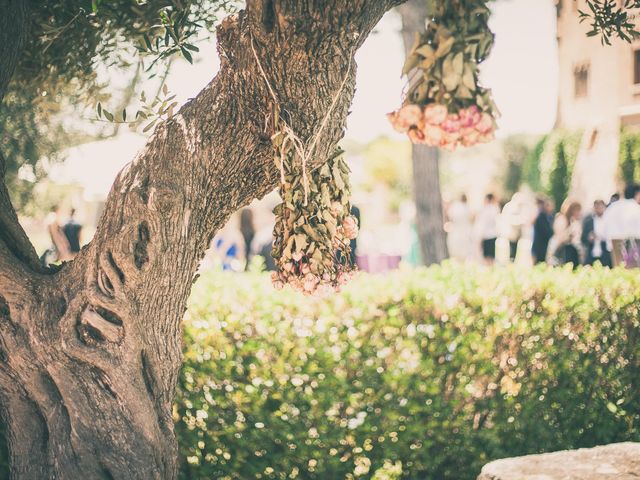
526 229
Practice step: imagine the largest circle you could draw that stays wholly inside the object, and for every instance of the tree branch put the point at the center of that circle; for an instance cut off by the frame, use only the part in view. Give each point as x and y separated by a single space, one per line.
13 28
13 23
12 235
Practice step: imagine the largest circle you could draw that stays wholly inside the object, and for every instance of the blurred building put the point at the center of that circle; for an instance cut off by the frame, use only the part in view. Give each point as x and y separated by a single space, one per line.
599 93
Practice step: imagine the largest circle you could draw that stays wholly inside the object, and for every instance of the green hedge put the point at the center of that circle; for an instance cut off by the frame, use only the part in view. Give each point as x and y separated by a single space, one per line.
629 156
557 160
429 374
425 374
531 165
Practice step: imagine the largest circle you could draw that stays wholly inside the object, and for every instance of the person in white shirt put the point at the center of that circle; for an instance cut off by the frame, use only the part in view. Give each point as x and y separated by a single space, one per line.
621 221
460 230
487 227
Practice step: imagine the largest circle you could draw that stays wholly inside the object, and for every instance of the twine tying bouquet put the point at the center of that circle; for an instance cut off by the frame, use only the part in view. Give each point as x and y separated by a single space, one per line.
314 226
445 106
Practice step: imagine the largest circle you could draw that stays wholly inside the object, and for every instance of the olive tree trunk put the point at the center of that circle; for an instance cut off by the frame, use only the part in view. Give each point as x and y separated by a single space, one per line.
426 170
90 353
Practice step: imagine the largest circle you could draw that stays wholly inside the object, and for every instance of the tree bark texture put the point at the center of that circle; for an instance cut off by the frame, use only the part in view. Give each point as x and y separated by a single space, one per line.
426 171
90 354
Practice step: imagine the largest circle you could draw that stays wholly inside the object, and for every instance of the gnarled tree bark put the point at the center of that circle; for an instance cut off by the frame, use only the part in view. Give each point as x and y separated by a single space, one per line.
90 354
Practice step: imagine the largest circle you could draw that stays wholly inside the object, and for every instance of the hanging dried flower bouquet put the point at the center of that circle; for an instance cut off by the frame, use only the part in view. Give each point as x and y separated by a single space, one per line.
445 106
314 225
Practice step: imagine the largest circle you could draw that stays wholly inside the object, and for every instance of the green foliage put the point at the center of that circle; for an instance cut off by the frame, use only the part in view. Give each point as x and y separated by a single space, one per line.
547 166
560 179
69 40
629 156
610 18
388 162
69 47
531 165
29 138
557 160
421 375
516 150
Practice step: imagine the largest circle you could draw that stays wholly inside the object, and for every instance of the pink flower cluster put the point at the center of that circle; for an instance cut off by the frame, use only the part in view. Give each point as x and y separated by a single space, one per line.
433 125
322 277
308 283
350 227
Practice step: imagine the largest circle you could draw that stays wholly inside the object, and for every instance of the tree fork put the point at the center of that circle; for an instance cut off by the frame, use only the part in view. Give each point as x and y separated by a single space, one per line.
90 354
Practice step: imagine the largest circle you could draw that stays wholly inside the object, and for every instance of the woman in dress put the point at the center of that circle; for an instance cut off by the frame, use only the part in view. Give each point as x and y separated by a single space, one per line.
565 245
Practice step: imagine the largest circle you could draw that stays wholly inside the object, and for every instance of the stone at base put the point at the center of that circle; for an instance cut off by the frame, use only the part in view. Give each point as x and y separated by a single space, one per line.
619 461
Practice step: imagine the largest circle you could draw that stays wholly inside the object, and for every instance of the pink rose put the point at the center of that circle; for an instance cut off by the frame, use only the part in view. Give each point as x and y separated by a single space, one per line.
486 137
405 118
450 141
410 114
310 282
288 267
452 137
470 138
276 281
435 113
350 227
393 120
451 124
469 117
485 125
305 268
464 132
432 135
297 256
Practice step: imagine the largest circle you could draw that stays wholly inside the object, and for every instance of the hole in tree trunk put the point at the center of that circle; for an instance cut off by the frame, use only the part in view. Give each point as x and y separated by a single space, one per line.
5 313
144 189
140 255
147 374
59 305
115 266
97 324
109 316
102 379
105 284
89 334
